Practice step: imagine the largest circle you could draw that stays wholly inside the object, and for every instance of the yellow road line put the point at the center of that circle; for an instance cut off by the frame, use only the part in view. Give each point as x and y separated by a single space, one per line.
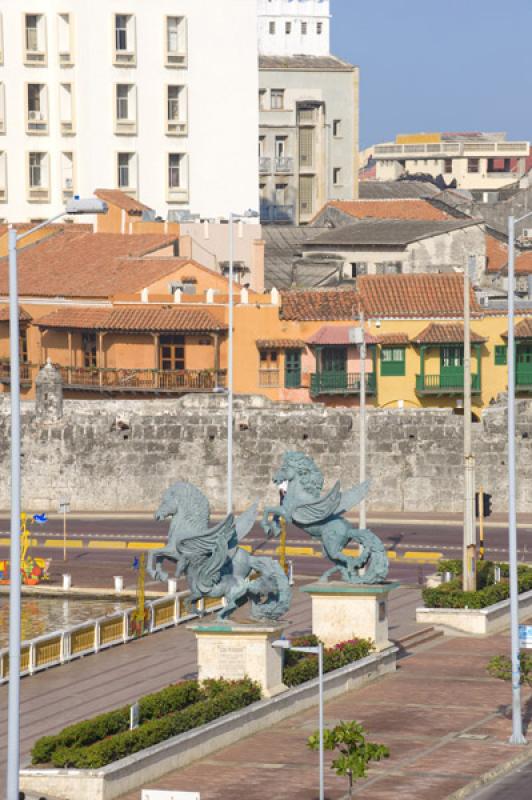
106 544
60 543
145 545
422 555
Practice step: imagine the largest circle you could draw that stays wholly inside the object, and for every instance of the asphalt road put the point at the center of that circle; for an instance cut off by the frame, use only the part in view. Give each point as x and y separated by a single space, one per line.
430 535
516 786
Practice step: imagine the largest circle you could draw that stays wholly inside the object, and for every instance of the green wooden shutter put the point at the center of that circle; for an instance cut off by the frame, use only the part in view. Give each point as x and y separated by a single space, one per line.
393 361
501 355
292 369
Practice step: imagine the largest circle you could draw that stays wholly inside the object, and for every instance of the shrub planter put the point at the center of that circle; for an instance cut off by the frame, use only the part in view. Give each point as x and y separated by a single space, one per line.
477 621
134 771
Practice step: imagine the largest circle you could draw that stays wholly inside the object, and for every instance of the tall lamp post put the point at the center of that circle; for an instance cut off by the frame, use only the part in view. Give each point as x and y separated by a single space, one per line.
76 206
286 644
469 571
249 214
517 721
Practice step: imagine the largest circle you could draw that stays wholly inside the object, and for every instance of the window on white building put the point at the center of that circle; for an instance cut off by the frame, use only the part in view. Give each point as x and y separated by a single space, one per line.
277 99
473 165
125 45
2 108
337 128
337 176
37 108
66 108
3 177
64 38
271 28
306 195
319 28
447 165
67 175
262 99
38 177
125 108
288 28
280 194
304 28
177 177
306 147
126 172
176 41
34 39
280 146
177 112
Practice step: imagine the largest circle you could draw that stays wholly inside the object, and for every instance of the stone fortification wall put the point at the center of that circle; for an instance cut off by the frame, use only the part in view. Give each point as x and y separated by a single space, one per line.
120 455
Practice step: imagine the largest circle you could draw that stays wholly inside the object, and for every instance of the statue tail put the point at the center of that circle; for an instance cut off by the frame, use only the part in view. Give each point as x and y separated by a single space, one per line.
270 592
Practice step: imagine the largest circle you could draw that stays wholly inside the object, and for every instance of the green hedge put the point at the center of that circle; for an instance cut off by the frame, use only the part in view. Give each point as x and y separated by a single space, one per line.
450 595
101 740
302 667
501 667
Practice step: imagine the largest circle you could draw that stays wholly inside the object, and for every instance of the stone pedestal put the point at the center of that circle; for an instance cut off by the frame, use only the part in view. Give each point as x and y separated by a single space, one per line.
233 652
343 611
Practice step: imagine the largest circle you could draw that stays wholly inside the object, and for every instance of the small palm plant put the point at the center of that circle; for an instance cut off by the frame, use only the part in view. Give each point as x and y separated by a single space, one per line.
355 753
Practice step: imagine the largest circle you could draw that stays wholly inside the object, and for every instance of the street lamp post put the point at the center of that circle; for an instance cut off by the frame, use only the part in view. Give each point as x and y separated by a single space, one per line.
517 721
469 571
75 206
286 644
249 214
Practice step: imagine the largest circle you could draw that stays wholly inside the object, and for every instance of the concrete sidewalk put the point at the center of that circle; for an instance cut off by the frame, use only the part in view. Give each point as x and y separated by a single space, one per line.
444 719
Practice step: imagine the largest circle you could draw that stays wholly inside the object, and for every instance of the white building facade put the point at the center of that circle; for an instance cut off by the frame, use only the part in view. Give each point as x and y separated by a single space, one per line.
294 27
142 96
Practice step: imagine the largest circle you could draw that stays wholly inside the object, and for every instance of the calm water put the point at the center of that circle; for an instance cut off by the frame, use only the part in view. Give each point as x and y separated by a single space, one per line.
42 615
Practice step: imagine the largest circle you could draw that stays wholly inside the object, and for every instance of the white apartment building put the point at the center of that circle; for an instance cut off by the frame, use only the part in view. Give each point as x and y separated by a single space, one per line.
477 161
294 27
148 97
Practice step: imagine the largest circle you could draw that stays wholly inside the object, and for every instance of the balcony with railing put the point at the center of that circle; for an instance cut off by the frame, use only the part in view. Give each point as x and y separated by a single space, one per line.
323 383
265 165
280 214
26 373
284 165
154 381
445 384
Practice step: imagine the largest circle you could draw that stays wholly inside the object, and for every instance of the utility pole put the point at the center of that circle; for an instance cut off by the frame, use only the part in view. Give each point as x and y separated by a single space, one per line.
362 419
469 571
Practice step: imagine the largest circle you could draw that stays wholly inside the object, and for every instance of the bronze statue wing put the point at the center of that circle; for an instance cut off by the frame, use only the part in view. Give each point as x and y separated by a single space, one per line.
245 521
353 497
312 513
224 529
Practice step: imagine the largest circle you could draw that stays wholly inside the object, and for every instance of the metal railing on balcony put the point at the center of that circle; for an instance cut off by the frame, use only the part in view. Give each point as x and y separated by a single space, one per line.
265 165
142 380
271 214
26 373
341 383
284 166
445 384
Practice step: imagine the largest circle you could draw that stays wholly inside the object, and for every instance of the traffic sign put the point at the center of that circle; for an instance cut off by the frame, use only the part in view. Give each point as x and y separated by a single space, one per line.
525 637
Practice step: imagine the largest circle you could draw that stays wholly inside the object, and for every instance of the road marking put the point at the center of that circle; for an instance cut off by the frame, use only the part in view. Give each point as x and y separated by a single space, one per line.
145 545
59 543
422 556
107 545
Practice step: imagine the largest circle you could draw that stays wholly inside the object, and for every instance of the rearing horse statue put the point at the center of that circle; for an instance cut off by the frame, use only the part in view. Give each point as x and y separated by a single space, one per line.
322 518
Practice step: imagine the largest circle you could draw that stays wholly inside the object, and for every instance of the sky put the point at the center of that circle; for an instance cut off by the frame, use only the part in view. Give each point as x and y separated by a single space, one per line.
438 65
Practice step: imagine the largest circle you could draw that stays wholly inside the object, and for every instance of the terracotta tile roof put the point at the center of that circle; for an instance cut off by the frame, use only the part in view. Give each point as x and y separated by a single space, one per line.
423 296
389 339
523 263
83 264
523 330
280 344
452 333
320 304
117 198
389 209
157 319
22 315
331 334
496 254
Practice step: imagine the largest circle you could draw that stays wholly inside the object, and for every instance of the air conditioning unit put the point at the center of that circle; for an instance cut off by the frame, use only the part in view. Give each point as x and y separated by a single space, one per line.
36 116
68 183
527 233
176 58
483 300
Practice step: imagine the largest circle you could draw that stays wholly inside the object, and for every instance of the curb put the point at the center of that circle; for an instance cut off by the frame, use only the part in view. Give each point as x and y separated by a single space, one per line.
492 776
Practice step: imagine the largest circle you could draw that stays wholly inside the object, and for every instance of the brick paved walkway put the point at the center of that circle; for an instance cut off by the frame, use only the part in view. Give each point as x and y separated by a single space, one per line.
429 713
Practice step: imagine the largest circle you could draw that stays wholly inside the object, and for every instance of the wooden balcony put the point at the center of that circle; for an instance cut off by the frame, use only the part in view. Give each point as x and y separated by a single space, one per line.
137 381
323 383
445 384
26 373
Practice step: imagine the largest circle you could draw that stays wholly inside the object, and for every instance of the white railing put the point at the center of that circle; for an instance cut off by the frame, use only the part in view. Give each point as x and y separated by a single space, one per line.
455 148
60 647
